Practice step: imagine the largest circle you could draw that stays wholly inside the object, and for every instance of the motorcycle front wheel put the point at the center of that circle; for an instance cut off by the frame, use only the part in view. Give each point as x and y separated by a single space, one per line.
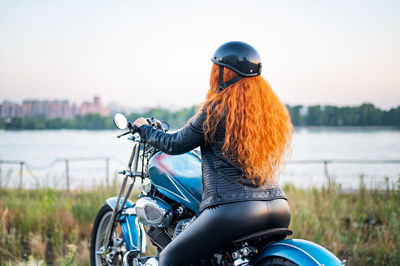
99 233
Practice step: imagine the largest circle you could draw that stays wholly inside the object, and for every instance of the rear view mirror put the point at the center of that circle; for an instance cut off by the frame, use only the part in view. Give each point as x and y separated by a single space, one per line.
120 121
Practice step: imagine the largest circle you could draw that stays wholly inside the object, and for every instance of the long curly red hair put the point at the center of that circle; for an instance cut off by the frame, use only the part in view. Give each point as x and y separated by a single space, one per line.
257 125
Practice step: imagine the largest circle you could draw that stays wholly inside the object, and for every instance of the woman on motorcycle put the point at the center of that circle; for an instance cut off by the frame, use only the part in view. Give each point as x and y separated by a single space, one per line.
243 131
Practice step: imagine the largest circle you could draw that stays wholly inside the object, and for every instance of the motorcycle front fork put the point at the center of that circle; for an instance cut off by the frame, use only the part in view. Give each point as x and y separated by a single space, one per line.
106 250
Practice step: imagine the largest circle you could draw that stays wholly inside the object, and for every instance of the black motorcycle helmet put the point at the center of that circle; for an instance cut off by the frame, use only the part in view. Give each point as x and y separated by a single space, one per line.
239 57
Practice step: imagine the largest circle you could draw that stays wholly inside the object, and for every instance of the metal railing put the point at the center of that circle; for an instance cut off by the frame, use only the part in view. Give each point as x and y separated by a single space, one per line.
341 161
66 161
23 164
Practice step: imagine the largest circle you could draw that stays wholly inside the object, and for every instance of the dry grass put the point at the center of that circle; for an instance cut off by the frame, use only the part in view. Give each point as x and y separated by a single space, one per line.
362 227
38 225
37 245
47 226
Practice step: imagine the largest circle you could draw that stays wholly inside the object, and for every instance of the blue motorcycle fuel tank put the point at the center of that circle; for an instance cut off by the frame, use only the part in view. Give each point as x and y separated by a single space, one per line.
178 177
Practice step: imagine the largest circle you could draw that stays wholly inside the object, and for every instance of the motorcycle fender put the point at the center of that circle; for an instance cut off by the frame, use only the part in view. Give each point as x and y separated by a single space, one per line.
299 251
112 201
132 230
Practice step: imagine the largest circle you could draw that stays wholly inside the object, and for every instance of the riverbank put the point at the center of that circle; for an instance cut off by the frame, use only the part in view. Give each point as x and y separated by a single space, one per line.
365 114
53 227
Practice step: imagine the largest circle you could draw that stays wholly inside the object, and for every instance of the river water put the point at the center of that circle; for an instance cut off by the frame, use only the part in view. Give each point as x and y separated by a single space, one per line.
45 151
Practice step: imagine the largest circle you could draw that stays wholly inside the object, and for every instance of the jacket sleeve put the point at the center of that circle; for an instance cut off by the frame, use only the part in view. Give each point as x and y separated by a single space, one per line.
182 141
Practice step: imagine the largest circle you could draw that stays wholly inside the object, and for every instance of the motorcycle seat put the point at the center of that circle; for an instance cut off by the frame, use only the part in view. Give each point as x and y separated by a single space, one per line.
265 236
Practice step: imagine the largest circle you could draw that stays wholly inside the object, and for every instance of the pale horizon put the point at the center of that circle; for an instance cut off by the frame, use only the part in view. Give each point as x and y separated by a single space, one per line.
174 106
148 54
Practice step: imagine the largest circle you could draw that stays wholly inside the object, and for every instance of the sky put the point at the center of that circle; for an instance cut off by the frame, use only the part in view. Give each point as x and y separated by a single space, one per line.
157 53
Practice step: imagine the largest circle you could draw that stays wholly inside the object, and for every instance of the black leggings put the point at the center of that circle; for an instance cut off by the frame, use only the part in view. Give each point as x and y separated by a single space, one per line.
218 226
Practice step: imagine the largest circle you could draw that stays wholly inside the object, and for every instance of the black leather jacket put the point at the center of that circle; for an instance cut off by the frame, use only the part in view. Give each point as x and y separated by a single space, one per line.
222 181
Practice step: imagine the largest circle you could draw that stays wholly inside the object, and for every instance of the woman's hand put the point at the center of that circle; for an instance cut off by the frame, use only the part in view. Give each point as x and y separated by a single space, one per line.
140 122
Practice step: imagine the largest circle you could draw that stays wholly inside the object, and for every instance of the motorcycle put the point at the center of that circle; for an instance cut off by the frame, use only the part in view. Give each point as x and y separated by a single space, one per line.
170 194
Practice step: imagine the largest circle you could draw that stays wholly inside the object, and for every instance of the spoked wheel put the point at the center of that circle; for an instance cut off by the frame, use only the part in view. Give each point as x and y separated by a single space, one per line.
276 261
113 256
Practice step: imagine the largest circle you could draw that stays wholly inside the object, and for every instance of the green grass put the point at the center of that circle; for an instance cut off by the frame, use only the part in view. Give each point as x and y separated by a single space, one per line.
47 226
41 224
361 227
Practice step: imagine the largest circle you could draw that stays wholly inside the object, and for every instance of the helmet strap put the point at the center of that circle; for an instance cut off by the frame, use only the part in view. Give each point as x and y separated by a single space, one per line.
223 85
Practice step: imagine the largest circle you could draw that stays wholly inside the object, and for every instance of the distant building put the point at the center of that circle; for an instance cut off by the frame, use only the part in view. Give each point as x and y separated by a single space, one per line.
10 109
94 107
52 109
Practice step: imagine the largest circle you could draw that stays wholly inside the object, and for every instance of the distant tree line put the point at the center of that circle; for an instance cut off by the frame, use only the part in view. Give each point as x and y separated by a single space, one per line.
328 115
317 115
175 119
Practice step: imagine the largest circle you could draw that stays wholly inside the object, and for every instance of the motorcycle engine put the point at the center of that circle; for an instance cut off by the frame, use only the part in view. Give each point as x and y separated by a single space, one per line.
153 212
182 225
